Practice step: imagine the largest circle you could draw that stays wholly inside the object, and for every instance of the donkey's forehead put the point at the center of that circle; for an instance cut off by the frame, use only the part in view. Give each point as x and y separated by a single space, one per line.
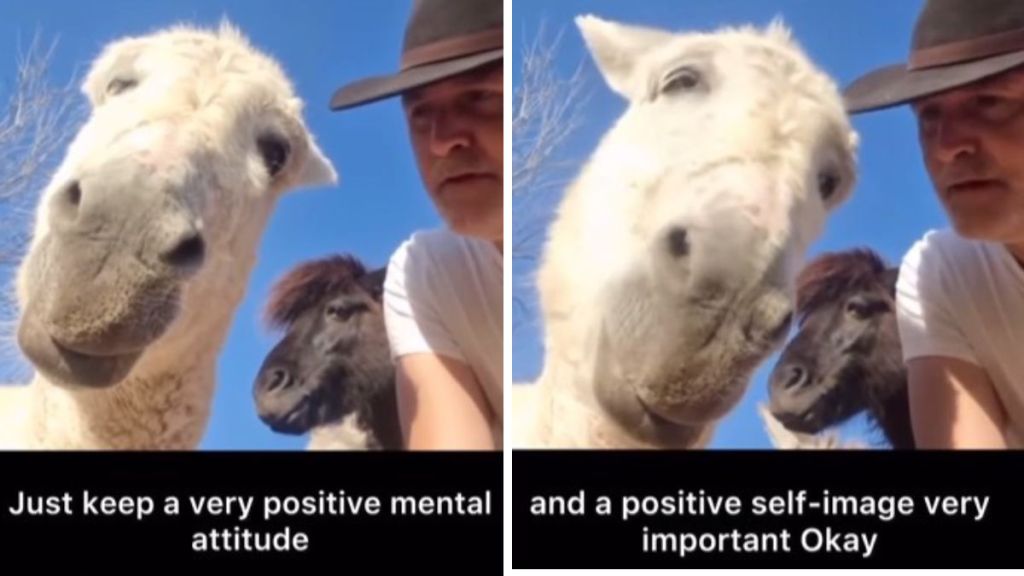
760 51
189 54
771 56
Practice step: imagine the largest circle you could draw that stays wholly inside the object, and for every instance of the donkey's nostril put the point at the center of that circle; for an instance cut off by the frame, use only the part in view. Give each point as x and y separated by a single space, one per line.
277 378
678 243
187 252
73 194
797 377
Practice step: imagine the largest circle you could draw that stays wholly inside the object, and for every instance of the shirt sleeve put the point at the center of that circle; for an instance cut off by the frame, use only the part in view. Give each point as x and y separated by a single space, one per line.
926 306
412 313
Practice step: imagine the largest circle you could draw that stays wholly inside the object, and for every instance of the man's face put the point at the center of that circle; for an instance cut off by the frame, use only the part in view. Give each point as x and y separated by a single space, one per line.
973 143
456 131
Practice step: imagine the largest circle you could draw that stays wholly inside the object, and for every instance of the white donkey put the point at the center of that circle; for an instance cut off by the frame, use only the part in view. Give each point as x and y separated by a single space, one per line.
145 239
669 270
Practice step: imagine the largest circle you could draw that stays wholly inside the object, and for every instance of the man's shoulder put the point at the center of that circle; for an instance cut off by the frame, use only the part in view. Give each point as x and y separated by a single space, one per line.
937 241
945 249
943 262
440 247
437 240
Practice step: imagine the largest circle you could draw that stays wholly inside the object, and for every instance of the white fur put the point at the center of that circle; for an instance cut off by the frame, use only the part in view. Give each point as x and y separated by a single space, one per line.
344 435
737 167
207 81
785 439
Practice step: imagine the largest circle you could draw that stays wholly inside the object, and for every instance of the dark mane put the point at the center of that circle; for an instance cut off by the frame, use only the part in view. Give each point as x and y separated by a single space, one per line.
828 277
307 284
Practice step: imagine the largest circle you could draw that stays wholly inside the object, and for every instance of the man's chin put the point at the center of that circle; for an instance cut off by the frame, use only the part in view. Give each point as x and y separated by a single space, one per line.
984 228
486 226
474 230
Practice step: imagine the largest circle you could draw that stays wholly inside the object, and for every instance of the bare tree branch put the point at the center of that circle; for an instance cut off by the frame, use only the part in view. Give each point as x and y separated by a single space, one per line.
35 125
546 111
37 119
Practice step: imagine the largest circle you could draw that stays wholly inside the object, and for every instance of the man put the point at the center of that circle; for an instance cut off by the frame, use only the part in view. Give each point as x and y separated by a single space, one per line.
960 294
443 293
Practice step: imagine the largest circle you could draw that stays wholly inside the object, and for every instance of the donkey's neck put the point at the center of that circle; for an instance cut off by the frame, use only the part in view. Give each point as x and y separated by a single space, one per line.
380 415
892 413
569 417
373 425
159 410
164 404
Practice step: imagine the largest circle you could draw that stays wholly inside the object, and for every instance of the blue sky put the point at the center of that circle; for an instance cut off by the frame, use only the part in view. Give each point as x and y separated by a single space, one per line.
321 44
893 204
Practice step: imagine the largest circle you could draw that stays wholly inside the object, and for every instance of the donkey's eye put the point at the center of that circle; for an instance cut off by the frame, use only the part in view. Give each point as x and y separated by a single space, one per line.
858 309
828 183
341 312
338 312
118 85
681 80
274 151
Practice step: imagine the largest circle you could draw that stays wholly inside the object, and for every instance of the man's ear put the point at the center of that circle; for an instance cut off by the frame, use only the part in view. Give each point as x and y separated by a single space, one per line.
617 48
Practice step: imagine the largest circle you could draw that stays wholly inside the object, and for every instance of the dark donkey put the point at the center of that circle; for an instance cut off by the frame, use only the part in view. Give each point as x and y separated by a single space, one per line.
332 372
846 357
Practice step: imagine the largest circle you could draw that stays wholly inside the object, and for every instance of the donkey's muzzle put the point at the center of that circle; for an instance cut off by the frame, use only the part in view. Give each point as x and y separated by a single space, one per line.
279 403
66 367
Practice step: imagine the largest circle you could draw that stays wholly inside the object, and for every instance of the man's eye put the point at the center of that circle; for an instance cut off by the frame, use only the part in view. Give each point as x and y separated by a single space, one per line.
419 118
485 101
927 114
986 101
927 119
996 108
992 106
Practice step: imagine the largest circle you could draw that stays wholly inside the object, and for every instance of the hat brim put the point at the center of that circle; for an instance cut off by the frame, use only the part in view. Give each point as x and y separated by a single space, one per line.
380 87
894 85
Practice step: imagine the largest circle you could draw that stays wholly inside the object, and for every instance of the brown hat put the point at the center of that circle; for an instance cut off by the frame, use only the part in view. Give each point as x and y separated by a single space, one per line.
443 38
955 42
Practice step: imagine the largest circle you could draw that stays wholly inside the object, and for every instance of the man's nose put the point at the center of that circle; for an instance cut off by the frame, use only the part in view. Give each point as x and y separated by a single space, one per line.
952 139
447 134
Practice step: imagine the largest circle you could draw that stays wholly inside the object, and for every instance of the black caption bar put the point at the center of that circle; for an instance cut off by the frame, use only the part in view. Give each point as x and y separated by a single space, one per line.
766 509
386 510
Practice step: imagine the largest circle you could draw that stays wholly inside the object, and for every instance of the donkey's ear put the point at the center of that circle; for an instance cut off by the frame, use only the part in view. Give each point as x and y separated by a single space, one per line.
890 277
373 282
317 170
617 48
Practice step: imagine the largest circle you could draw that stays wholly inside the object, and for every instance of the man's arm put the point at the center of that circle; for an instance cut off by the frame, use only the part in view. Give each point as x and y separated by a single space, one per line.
441 405
953 405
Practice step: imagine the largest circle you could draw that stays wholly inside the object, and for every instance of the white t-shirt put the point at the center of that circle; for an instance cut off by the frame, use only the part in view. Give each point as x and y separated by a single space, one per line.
964 299
443 295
